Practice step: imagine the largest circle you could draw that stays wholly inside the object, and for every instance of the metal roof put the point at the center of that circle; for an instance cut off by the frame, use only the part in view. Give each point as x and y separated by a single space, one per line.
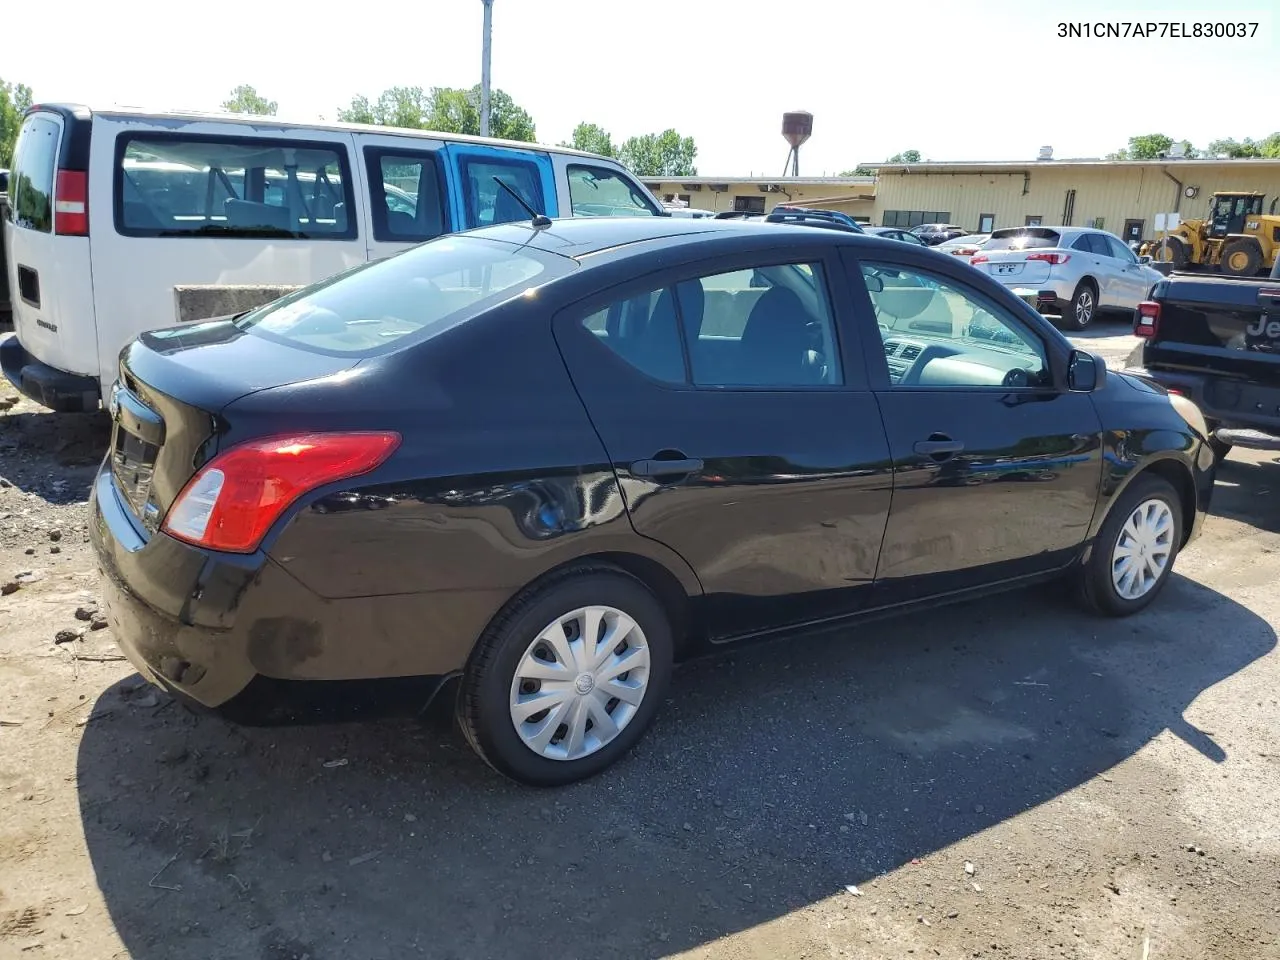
1019 166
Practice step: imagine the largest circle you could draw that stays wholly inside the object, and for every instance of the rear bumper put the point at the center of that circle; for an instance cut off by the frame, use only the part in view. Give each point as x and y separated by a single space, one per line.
1048 296
46 385
242 636
1249 412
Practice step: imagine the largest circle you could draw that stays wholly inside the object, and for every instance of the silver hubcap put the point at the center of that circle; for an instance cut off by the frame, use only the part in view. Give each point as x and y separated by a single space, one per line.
1143 549
1084 306
580 683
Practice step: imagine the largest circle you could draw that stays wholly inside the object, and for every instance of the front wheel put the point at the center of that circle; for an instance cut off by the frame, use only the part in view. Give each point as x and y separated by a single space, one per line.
568 676
1241 258
1133 554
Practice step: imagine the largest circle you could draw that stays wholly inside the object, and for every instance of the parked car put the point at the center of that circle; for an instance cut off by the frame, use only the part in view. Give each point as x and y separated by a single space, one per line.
126 215
966 246
1073 272
893 233
936 233
1216 340
551 461
789 213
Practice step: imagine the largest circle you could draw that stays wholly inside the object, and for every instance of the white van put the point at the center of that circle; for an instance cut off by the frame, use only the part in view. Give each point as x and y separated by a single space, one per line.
123 221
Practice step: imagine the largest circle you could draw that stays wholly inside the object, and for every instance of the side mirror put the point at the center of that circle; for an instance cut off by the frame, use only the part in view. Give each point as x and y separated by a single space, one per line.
1086 372
1144 260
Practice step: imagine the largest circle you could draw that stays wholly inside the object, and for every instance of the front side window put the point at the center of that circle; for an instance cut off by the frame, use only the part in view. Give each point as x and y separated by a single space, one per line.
768 326
1120 251
35 161
488 203
938 333
411 297
405 195
232 187
601 192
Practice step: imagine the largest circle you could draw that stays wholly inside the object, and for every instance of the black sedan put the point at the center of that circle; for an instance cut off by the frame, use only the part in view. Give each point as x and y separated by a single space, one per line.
551 461
893 233
935 233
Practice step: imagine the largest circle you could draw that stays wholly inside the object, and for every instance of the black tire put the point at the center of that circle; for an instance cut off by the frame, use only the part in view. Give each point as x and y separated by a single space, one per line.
484 699
1097 589
1083 307
1246 256
1174 251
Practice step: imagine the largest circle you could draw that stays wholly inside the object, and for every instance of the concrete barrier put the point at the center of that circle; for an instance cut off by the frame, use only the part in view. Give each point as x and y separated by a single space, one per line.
201 301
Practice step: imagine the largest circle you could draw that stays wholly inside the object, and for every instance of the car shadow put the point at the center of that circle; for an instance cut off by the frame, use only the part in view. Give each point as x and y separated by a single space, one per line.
30 442
1247 489
774 776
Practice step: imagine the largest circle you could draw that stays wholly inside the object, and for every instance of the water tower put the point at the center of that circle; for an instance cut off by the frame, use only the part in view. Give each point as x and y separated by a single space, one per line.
797 127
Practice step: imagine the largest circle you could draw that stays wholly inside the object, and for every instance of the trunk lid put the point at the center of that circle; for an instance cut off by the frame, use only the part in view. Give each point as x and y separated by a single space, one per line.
166 404
1016 256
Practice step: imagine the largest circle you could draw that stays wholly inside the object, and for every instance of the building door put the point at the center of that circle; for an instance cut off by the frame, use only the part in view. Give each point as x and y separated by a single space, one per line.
986 223
1133 230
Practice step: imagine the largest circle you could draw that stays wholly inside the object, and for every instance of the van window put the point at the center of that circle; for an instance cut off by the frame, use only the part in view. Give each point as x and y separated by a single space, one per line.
175 186
601 192
488 203
35 162
411 297
405 196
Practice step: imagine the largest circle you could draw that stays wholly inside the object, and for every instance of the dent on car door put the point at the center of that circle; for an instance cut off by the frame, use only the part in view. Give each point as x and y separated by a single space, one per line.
996 466
742 432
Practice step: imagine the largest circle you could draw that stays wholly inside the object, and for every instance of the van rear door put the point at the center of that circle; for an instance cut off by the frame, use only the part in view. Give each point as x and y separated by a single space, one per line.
47 241
406 186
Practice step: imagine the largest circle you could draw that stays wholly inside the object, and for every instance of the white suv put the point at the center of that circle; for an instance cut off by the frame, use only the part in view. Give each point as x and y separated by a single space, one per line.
1071 271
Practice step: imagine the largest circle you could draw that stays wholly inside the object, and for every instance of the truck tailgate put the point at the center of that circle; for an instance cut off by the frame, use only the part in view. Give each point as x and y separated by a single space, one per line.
1225 326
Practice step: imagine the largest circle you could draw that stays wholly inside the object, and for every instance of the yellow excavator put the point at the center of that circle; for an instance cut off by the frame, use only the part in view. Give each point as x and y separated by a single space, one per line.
1237 238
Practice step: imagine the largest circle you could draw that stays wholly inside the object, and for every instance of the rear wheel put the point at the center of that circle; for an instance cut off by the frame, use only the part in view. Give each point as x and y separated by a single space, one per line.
1133 554
1083 306
1241 258
568 676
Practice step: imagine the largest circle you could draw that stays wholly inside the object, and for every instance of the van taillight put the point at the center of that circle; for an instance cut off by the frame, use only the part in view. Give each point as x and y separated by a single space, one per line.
1146 320
71 203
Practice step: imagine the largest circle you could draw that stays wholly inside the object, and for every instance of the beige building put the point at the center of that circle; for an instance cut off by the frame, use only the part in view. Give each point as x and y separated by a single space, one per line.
1120 196
852 195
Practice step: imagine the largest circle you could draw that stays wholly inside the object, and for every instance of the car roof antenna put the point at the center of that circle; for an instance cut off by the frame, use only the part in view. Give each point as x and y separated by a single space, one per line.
540 220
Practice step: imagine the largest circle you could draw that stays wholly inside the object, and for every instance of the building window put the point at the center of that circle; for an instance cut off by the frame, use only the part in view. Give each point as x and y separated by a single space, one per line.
913 218
986 222
748 204
1097 223
684 197
668 197
1034 221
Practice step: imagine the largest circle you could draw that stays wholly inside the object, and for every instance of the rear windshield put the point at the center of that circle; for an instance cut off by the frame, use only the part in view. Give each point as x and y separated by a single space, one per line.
410 297
34 160
1023 238
175 186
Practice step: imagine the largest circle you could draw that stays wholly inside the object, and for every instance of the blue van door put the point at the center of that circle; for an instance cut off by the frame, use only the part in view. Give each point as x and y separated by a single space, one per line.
478 200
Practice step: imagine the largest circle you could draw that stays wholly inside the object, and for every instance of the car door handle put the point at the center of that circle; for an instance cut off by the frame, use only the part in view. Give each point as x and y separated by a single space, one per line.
938 447
666 468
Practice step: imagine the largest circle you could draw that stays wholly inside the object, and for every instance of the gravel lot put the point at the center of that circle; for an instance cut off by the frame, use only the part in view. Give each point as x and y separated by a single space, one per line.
1009 779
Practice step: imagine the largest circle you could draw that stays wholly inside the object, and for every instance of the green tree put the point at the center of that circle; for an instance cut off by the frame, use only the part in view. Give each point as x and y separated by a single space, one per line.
861 170
665 154
906 156
245 99
1150 146
1246 148
592 138
15 98
447 109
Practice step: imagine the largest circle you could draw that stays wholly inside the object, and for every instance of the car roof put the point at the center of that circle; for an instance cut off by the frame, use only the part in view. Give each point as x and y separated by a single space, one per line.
578 237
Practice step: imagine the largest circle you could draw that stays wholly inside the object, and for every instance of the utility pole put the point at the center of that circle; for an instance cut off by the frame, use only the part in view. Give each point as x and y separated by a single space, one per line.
485 51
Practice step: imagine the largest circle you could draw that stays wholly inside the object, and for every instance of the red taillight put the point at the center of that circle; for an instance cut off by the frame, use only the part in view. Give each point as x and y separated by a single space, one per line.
980 258
233 500
71 204
1147 319
1050 258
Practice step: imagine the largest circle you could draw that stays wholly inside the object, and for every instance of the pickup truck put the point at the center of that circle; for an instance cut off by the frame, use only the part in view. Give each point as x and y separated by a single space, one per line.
1216 341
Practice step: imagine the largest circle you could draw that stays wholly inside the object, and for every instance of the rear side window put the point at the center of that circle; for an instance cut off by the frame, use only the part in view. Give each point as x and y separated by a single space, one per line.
407 202
35 164
410 297
1023 238
601 192
176 186
487 202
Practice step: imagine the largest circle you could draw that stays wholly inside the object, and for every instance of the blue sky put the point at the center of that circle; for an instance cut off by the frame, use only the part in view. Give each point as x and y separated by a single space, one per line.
956 80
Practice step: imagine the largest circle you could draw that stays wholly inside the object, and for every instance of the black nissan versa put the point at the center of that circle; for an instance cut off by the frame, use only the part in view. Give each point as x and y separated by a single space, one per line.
550 459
